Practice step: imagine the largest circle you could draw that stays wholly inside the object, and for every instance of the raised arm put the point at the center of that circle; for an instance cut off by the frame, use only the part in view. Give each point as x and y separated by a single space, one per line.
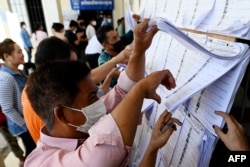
98 74
126 114
142 40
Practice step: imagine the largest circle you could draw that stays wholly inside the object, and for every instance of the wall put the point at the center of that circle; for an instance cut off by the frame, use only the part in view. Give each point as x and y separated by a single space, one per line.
52 13
4 5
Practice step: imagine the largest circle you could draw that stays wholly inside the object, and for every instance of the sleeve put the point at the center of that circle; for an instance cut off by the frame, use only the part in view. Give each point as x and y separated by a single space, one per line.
113 97
23 39
7 99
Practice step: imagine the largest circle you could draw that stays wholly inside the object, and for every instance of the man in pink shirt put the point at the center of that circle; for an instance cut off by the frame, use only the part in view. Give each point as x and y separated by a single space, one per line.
67 102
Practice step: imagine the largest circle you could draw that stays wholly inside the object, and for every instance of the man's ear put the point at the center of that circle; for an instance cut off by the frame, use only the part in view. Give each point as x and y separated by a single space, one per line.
60 115
104 44
6 57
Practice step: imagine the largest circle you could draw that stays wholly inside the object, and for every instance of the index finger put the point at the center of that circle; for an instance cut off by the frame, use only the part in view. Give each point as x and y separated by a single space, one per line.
168 80
227 118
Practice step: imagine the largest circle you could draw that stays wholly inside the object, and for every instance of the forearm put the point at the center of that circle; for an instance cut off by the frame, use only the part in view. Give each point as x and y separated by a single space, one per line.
7 104
98 74
149 158
14 115
106 84
136 66
127 113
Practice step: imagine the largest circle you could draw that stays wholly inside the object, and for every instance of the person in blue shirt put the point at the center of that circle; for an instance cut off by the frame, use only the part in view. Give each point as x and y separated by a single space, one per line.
12 81
26 41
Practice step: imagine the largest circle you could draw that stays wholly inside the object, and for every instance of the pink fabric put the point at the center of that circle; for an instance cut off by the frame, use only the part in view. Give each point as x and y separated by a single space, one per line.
104 147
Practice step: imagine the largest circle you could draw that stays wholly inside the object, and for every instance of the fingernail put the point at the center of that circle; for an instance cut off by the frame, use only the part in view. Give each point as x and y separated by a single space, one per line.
174 127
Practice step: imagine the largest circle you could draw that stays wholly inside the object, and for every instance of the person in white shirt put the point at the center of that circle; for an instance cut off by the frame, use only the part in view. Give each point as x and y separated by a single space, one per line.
94 46
90 30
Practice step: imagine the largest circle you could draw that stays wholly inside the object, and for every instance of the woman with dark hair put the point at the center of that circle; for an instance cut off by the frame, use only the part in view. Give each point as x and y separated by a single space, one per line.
38 35
12 81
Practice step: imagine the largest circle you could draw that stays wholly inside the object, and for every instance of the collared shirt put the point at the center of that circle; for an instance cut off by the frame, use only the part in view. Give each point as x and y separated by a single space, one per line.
20 79
104 147
26 38
111 99
90 31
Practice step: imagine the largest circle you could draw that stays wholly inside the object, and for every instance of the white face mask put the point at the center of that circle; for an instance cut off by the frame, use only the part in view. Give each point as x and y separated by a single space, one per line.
92 113
109 20
94 23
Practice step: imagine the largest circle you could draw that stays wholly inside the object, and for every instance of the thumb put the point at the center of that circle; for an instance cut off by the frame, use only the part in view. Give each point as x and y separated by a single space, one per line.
219 132
157 98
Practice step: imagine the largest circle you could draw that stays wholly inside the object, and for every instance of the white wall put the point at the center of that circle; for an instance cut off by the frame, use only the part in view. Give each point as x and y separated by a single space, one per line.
4 5
52 13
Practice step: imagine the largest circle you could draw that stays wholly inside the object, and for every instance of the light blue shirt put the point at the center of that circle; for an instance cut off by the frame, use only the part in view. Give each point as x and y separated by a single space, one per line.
26 38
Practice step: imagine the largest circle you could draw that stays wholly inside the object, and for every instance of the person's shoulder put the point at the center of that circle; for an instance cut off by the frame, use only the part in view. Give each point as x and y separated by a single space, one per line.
6 77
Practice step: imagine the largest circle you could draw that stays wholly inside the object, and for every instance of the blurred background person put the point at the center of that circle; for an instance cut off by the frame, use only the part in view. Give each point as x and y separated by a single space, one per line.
121 27
26 40
12 81
38 35
58 31
90 30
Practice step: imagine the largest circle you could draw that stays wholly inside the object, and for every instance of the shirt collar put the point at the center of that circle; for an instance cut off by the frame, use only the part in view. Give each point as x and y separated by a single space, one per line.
9 70
63 143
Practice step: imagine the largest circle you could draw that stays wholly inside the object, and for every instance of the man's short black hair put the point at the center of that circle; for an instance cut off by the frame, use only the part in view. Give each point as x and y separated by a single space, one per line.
57 26
73 23
102 31
51 49
22 23
54 84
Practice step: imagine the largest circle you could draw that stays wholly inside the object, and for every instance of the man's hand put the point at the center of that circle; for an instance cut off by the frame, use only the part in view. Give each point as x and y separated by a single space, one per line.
152 81
142 37
235 138
124 55
159 138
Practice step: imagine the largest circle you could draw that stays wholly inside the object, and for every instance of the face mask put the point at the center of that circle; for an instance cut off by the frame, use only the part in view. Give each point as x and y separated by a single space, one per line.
109 20
94 23
118 46
92 113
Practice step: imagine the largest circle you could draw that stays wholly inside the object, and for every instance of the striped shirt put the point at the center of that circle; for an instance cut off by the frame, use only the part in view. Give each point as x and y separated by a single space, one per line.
10 98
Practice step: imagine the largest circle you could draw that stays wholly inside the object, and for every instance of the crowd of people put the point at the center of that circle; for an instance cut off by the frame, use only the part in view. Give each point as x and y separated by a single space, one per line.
68 111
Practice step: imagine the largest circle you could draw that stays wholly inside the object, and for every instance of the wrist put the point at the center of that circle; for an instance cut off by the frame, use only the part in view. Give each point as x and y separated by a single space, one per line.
152 149
138 52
